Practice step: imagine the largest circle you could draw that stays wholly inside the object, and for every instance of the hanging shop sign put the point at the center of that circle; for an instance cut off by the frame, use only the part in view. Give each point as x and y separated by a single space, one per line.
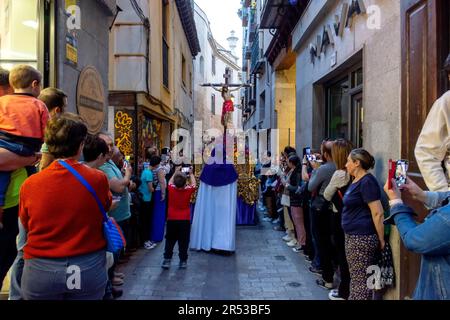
330 31
71 50
91 99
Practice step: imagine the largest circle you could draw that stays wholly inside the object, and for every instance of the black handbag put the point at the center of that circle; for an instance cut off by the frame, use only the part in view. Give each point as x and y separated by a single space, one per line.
319 203
386 264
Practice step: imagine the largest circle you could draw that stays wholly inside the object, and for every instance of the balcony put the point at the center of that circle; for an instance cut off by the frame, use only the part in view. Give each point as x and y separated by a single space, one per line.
257 57
277 12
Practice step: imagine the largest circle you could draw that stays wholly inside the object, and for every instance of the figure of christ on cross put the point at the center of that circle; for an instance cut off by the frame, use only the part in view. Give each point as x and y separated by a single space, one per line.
228 106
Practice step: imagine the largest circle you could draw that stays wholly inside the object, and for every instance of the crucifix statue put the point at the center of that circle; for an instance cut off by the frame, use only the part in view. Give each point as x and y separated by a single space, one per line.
224 88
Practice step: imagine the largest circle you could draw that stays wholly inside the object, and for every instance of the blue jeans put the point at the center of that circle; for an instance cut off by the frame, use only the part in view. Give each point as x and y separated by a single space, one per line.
15 293
18 148
72 278
5 176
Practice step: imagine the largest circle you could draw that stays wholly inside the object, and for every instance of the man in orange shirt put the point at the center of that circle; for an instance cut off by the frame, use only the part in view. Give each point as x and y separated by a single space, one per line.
22 119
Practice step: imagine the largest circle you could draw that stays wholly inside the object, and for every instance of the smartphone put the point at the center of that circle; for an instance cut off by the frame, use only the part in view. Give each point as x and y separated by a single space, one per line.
391 167
125 164
307 153
186 170
401 170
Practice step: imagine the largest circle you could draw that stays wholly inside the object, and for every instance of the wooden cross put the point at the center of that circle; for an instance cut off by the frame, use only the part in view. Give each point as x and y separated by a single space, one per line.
227 84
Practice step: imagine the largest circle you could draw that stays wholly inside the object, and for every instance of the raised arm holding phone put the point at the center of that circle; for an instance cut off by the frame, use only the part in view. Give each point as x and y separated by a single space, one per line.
430 238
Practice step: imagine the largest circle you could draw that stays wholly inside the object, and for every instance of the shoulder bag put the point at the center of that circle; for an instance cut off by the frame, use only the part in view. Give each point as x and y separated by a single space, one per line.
114 237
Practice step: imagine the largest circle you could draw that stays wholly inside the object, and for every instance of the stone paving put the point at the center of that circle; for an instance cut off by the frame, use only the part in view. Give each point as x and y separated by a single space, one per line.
263 268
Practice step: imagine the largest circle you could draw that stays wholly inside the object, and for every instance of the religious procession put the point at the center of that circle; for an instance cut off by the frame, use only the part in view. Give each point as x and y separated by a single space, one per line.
240 150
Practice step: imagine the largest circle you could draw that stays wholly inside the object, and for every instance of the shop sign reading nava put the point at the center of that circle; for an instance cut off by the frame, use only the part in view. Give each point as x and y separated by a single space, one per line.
336 29
91 99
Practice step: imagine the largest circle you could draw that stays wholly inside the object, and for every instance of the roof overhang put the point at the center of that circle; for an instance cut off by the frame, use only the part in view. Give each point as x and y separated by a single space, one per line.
186 14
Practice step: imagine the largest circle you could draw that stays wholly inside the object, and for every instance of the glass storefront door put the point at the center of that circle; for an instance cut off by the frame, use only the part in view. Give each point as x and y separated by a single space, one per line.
345 108
339 110
357 120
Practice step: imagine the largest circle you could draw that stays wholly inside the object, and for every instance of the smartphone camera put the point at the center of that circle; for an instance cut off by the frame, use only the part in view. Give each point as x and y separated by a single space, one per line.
186 170
401 170
310 157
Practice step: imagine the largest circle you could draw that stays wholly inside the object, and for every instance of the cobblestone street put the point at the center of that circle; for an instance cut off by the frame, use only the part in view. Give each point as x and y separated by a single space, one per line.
263 267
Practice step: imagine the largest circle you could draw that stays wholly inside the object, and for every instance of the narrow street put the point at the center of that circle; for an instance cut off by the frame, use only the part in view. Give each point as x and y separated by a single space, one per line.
263 267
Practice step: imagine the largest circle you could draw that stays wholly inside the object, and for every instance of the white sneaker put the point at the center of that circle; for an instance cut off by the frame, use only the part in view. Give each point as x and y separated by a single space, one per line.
334 295
292 243
287 238
149 245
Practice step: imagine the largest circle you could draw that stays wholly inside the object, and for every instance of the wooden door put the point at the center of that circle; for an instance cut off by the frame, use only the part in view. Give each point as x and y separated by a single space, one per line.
422 32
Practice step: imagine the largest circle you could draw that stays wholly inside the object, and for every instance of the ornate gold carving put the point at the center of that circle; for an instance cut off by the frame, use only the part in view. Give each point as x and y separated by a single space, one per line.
123 123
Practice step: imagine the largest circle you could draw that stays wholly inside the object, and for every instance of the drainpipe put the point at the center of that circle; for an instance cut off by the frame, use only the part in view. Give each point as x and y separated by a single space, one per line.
136 136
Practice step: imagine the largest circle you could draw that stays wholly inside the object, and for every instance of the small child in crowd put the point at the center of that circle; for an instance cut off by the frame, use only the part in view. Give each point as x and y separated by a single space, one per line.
179 217
23 119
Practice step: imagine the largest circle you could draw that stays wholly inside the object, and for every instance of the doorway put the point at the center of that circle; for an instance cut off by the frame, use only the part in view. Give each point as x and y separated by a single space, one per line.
425 46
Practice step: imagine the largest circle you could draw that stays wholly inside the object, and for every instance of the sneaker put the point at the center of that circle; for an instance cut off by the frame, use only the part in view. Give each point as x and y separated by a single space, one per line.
292 243
315 270
287 238
117 282
267 219
307 258
298 248
276 221
334 295
326 285
166 264
279 228
149 245
182 265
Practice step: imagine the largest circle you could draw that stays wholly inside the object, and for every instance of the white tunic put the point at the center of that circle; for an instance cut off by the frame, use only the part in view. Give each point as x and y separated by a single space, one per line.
434 144
214 222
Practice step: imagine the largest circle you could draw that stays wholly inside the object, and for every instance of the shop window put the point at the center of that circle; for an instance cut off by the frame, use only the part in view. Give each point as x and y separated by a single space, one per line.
183 70
202 66
262 106
151 134
19 26
345 112
213 104
357 78
165 46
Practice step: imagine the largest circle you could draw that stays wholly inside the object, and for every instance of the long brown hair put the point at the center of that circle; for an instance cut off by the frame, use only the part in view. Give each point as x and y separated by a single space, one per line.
340 151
